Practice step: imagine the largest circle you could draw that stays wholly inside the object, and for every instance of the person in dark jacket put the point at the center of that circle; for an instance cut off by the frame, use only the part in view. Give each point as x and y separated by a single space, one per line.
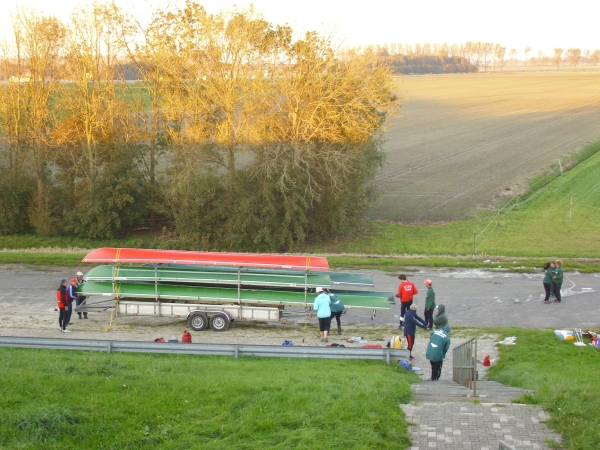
62 299
71 294
548 276
411 322
557 280
337 308
441 318
439 343
429 305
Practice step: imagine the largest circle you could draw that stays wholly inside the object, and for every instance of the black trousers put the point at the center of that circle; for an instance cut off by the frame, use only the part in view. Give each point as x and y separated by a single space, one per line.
429 318
337 316
556 290
548 289
62 318
324 323
436 369
403 307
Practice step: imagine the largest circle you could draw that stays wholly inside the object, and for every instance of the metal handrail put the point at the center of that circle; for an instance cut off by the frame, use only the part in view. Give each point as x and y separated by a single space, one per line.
464 365
235 350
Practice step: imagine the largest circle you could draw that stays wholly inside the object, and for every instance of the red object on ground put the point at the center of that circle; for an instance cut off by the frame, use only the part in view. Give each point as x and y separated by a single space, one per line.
486 360
187 337
269 261
160 339
377 345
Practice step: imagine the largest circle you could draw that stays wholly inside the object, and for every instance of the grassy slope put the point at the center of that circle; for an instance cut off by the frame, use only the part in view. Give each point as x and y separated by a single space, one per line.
539 227
565 378
61 399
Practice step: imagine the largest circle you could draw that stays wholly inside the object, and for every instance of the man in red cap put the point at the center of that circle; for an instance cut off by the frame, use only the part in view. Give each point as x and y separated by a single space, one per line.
406 291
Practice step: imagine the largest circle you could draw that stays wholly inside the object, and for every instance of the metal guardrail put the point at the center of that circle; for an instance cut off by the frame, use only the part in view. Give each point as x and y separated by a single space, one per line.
464 365
235 350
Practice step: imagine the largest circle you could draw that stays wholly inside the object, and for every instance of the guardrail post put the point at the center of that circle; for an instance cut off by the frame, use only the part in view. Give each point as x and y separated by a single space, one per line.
387 356
236 352
109 347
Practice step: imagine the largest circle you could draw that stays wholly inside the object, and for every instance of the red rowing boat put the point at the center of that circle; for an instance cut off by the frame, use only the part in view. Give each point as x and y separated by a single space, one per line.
270 261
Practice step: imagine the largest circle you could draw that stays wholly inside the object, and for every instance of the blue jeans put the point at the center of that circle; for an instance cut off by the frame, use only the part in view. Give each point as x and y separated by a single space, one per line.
81 301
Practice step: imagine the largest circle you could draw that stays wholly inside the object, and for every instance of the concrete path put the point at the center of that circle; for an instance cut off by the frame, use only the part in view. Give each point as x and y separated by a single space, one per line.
445 416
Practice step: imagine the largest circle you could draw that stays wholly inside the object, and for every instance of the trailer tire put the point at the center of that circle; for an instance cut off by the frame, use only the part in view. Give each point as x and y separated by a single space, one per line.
219 322
198 321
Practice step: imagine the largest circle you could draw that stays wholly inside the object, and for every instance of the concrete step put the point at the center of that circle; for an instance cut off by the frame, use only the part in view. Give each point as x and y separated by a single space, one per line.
449 391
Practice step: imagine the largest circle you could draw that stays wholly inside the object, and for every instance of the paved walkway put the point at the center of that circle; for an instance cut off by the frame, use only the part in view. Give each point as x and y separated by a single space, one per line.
445 417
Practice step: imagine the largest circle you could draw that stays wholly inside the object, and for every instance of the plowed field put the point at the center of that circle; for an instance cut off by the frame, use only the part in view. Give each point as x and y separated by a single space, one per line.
463 139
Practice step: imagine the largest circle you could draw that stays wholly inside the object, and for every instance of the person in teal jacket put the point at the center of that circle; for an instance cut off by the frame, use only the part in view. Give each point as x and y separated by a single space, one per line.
548 276
557 281
337 308
429 305
439 344
322 307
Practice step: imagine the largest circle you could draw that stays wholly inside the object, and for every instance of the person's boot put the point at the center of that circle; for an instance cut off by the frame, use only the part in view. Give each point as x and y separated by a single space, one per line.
339 331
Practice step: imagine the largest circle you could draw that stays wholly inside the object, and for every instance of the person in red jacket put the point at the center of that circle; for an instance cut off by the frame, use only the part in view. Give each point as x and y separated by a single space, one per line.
406 291
62 299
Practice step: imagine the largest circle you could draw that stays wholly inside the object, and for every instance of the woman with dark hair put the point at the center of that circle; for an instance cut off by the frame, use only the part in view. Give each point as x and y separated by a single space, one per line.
548 275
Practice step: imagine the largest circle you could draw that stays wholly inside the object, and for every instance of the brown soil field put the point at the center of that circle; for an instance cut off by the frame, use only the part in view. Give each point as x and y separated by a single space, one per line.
461 139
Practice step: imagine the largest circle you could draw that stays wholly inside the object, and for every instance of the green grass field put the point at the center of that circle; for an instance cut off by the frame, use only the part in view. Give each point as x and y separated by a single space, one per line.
74 400
543 226
565 378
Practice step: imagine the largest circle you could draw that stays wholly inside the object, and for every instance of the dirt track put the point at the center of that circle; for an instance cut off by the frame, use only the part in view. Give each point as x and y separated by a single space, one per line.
464 138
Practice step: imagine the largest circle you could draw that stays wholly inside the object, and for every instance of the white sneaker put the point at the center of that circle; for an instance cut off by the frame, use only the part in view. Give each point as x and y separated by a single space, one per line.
66 331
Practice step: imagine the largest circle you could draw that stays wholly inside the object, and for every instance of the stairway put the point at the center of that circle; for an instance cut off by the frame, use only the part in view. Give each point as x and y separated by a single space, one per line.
449 391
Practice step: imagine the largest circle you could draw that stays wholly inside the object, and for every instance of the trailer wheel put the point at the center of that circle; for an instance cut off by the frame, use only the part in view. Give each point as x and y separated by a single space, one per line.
219 322
198 321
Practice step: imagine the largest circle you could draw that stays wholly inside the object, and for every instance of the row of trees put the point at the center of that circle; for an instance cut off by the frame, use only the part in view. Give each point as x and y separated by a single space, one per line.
241 134
428 64
486 54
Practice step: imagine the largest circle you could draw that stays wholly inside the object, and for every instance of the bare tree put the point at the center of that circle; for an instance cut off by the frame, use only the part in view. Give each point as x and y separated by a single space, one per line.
527 52
499 53
513 54
557 59
595 57
573 55
540 54
27 105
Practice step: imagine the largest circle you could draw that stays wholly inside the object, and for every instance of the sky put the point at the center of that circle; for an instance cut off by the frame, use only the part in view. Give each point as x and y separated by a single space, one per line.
512 23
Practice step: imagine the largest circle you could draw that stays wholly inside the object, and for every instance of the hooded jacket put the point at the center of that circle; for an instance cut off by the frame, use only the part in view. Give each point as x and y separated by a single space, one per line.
321 305
336 304
439 344
412 321
441 319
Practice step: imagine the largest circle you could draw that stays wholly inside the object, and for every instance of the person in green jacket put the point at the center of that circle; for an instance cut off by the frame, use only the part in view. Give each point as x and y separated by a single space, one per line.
441 318
429 305
337 308
439 344
557 280
548 276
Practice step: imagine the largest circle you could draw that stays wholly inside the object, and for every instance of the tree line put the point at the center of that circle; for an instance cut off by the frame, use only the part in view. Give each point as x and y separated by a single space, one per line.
483 55
235 131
